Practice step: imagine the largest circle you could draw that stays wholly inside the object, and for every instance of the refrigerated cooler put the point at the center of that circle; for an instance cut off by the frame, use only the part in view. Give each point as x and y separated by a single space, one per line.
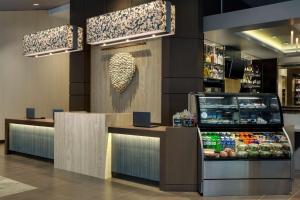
243 146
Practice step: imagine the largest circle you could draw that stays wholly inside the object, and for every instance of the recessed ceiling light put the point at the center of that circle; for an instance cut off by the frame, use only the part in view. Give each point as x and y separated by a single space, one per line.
274 36
260 29
286 43
36 4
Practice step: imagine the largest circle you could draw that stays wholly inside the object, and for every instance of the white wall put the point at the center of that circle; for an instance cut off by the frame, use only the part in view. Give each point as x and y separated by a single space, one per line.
42 83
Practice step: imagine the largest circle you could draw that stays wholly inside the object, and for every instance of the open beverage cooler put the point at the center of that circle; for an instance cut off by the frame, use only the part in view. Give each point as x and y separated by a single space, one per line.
243 147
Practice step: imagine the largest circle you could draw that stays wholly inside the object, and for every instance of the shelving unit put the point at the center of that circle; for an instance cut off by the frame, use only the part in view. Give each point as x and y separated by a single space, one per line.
297 90
214 67
252 81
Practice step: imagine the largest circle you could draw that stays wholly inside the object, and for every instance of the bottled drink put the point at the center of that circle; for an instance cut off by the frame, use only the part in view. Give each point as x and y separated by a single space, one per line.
204 140
218 146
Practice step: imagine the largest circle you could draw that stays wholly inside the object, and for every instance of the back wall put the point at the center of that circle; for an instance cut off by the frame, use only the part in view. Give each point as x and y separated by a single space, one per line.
144 92
42 83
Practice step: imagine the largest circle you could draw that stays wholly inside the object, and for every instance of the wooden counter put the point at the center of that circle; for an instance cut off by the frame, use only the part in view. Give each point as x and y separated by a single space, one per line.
158 131
177 154
33 135
291 109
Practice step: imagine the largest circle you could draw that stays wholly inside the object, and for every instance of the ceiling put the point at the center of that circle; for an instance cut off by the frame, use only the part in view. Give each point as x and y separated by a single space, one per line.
18 5
277 38
263 41
255 3
248 47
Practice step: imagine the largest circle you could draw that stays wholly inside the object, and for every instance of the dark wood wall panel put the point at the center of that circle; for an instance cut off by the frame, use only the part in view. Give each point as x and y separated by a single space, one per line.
80 62
182 59
182 56
181 85
173 103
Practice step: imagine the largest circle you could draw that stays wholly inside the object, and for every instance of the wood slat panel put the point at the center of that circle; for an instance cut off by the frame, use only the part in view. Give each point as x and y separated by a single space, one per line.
144 92
136 156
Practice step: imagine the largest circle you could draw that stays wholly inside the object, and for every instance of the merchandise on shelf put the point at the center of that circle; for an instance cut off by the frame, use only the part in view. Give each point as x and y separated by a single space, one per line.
244 145
214 67
252 81
184 119
297 91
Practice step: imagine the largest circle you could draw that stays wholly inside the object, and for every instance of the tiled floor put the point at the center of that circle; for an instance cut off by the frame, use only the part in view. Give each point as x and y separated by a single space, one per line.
59 185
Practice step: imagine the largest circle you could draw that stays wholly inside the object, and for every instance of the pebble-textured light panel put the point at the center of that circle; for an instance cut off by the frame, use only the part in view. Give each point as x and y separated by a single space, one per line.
155 18
121 70
63 38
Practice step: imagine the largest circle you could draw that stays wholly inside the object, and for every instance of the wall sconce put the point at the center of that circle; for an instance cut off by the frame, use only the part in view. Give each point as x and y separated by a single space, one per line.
147 21
61 39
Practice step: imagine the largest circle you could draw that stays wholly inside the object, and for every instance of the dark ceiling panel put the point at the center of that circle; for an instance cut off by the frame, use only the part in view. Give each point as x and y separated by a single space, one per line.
255 3
18 5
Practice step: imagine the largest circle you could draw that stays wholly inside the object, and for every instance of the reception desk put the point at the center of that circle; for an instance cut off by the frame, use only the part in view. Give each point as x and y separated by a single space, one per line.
30 137
106 145
162 154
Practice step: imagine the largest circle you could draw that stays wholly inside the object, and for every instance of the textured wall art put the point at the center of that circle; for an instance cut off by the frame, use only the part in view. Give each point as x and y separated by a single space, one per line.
155 19
121 70
56 40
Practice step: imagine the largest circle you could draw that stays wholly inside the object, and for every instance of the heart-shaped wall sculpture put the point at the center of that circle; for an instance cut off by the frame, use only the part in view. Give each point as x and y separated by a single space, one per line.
122 69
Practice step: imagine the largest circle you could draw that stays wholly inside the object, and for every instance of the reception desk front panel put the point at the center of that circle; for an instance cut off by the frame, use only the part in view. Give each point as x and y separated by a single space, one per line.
136 156
30 137
32 140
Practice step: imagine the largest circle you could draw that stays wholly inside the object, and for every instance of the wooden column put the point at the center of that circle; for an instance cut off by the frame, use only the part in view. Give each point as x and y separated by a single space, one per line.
80 62
182 59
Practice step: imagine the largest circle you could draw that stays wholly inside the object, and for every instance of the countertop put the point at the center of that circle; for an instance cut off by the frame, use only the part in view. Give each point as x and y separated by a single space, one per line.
157 131
291 109
33 122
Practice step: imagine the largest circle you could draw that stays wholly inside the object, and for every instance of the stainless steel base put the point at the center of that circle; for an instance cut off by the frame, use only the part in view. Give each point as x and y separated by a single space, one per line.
230 178
247 187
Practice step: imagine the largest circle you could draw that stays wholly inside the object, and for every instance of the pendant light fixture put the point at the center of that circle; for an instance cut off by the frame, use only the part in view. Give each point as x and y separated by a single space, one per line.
61 39
292 37
147 21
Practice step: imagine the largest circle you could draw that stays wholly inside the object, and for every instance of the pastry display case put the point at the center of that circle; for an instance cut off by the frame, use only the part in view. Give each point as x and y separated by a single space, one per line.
214 67
242 144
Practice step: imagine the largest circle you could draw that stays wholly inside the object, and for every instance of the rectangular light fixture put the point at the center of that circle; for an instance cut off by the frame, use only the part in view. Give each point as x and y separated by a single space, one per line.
61 39
147 21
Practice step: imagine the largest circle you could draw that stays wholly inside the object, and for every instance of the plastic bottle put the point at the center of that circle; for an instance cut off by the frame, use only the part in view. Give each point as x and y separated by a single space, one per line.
177 121
218 146
204 140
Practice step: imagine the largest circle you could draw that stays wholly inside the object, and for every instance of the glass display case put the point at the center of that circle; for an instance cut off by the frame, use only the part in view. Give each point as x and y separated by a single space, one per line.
242 144
239 110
